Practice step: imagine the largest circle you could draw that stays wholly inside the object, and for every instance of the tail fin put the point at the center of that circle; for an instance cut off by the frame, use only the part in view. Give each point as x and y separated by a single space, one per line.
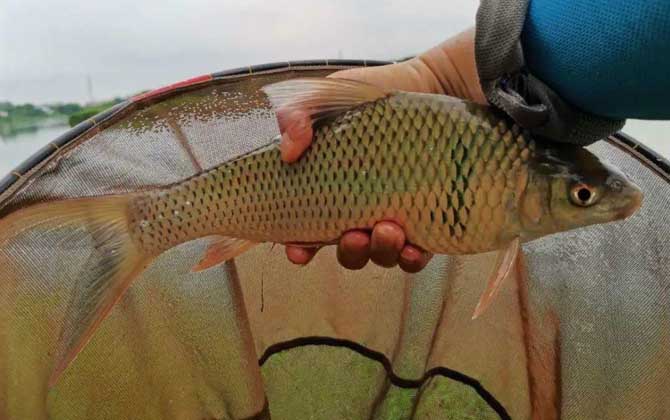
114 263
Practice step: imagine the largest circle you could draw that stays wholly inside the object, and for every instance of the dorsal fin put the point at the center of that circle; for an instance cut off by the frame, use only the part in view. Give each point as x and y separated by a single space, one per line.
320 97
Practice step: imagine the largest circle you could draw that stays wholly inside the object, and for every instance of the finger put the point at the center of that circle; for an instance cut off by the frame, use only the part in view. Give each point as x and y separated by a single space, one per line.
413 259
353 251
387 241
300 255
296 129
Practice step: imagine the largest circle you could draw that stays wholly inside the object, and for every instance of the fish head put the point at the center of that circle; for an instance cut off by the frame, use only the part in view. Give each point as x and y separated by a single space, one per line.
569 187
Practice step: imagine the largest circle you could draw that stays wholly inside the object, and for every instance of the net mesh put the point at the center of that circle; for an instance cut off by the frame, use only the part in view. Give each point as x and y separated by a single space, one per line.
582 330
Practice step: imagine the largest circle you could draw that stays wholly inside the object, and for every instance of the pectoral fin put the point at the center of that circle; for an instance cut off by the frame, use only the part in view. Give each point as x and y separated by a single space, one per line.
221 250
506 259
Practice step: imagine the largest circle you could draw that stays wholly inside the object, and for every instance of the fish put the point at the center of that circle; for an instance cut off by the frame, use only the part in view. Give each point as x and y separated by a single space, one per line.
460 178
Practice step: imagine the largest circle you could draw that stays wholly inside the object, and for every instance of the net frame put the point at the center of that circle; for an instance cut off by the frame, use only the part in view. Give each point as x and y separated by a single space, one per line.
20 177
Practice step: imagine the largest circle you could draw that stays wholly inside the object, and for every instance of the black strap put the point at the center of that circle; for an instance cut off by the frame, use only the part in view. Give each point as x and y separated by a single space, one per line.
509 86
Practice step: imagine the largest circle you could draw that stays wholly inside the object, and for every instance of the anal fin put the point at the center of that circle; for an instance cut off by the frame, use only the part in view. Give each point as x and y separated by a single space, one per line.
224 248
506 259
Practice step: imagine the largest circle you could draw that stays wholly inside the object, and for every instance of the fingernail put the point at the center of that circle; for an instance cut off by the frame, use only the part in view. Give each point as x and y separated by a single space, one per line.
410 254
390 229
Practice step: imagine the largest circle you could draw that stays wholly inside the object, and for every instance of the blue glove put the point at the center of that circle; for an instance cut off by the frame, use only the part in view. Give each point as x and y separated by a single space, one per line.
608 57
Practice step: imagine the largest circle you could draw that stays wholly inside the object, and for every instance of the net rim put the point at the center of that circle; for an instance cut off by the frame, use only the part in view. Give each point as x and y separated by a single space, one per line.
91 126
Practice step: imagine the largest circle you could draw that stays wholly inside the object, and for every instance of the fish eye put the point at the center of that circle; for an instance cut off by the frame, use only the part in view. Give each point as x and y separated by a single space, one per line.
583 195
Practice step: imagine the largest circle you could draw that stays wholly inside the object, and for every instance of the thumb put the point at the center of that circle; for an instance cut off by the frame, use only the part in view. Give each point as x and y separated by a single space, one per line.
296 129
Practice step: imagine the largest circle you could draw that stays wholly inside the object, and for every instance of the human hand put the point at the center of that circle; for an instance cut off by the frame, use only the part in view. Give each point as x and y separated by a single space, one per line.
448 68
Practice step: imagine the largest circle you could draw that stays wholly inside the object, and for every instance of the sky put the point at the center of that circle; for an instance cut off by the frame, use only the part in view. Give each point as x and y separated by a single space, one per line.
49 48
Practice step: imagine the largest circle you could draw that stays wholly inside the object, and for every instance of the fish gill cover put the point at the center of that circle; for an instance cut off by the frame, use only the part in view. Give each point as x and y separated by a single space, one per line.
580 330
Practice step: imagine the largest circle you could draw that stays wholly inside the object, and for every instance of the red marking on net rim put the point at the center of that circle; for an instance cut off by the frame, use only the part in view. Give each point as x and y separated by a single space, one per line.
164 89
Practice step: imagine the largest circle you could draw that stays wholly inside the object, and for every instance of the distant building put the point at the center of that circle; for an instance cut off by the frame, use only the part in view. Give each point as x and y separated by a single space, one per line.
4 114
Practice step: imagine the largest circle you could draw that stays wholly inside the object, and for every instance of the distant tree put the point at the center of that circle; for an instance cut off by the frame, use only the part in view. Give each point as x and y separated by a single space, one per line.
66 109
27 110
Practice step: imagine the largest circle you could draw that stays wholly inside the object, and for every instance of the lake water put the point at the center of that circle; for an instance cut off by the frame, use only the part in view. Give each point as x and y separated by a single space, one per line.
18 148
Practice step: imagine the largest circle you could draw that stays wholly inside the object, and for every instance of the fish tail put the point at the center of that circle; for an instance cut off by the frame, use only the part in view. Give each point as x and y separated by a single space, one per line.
115 262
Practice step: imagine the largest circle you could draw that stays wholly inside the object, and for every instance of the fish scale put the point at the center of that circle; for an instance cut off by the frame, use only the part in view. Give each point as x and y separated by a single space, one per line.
445 170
